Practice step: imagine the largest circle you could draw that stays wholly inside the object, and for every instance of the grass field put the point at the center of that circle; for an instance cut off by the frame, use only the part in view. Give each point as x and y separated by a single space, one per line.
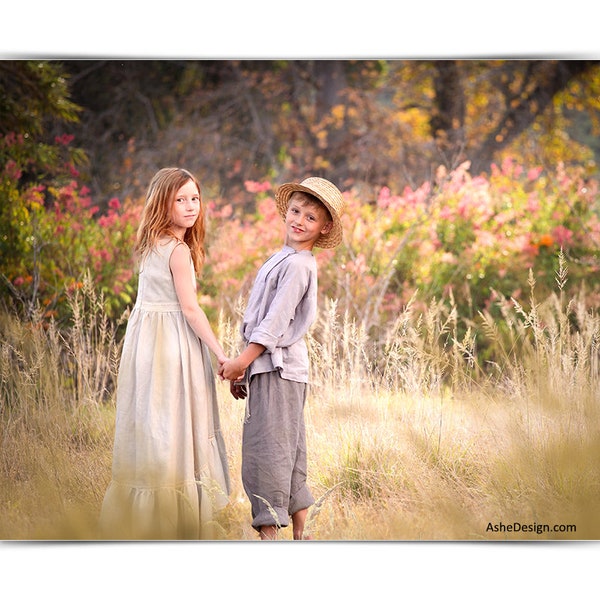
408 438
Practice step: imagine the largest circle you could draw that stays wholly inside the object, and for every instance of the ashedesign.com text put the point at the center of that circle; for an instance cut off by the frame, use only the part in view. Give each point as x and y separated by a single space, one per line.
538 528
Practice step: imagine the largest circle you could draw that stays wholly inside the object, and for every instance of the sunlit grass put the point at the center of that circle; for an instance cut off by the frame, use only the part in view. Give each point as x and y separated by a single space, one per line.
410 436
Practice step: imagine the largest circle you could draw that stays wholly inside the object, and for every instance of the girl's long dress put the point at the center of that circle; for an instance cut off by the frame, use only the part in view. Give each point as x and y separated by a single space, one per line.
169 472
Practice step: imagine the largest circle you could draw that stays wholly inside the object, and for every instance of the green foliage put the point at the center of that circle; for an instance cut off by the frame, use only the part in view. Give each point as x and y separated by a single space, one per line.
34 98
99 244
33 91
36 169
52 236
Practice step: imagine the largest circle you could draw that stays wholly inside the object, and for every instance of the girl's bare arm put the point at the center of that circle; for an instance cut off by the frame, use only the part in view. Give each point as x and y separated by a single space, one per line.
186 293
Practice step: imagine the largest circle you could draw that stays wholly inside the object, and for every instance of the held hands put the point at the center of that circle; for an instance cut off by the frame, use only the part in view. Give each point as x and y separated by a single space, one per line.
235 369
221 360
234 372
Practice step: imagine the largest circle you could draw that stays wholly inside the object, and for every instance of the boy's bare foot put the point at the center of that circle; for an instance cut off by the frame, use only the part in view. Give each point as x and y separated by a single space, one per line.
298 521
268 532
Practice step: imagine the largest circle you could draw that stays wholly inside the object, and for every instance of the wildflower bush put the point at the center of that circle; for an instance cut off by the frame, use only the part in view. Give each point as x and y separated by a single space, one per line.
469 243
469 240
52 235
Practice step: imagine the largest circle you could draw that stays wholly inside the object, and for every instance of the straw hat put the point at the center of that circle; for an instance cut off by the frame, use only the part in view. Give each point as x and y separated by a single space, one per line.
328 194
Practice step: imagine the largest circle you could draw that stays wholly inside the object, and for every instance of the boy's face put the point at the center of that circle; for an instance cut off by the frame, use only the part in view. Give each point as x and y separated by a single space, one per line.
305 222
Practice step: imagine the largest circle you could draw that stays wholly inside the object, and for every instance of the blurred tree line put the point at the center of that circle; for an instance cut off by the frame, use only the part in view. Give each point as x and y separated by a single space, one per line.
80 140
361 123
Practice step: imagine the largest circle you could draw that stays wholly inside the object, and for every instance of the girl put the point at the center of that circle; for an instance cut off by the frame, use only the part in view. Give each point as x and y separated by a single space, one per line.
169 470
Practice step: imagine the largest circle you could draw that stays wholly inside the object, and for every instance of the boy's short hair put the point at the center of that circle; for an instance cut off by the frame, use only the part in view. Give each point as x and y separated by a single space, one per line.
312 200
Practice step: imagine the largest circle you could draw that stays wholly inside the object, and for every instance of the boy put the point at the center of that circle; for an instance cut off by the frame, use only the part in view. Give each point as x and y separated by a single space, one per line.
281 308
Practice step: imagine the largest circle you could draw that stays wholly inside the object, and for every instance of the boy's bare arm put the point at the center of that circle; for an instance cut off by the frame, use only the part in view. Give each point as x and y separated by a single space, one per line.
236 367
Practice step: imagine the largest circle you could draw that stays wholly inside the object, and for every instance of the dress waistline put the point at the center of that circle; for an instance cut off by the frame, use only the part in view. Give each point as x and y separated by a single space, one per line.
159 306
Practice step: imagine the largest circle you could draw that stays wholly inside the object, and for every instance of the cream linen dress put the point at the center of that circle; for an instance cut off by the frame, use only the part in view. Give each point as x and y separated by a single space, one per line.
169 472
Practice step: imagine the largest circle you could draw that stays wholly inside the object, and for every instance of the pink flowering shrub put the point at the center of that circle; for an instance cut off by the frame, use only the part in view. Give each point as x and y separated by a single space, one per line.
470 241
87 241
54 236
474 238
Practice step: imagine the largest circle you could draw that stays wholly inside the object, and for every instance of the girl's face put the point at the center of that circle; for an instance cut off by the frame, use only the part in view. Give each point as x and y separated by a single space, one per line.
185 208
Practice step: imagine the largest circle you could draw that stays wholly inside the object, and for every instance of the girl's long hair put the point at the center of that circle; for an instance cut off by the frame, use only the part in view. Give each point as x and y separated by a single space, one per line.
156 217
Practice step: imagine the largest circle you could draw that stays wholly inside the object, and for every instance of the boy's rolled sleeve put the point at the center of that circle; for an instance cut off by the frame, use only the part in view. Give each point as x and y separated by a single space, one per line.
275 328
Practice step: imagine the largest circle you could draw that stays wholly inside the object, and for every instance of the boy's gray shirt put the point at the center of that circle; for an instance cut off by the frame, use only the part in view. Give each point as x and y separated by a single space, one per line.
281 308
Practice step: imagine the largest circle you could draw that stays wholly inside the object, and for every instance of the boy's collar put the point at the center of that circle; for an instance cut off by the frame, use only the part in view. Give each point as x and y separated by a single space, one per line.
291 250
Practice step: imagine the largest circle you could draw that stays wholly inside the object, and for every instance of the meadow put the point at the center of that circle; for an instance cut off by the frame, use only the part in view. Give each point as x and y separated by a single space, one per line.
411 436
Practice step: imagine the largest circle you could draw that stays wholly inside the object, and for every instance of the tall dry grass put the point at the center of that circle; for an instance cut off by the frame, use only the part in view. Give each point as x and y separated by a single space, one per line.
412 435
57 420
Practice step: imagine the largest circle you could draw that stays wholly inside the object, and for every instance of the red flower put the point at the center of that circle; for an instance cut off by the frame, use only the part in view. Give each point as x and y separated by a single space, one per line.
562 235
256 187
64 139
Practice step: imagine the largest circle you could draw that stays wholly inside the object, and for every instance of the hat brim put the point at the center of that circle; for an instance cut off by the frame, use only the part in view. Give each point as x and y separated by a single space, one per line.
325 240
